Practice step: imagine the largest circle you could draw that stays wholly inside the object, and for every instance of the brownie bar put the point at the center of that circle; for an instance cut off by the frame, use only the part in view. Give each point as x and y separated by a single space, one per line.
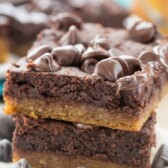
106 12
81 88
52 141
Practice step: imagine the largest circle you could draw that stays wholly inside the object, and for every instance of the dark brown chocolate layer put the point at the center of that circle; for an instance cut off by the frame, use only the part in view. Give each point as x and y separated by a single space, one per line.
49 136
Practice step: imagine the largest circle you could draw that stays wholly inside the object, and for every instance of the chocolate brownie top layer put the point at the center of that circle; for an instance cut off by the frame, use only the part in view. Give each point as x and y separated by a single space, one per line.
73 139
86 63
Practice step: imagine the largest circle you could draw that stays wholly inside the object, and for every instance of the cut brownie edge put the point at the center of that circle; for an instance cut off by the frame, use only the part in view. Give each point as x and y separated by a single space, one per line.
73 140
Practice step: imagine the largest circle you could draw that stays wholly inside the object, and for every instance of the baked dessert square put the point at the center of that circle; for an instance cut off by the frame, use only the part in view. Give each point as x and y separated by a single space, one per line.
52 143
83 72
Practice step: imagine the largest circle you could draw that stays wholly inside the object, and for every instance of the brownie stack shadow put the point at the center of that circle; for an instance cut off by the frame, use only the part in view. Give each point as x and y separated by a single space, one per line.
85 95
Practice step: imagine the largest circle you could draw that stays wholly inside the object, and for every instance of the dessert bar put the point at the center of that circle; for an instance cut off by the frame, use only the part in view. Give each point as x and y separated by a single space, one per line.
52 143
90 74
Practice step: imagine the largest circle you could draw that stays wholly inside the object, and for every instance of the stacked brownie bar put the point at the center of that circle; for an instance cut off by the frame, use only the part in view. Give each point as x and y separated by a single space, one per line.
28 17
85 95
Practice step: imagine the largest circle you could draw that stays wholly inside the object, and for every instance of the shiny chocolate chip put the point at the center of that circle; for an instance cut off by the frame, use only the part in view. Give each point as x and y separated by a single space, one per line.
5 151
104 42
143 32
97 53
123 63
22 163
89 65
115 52
134 64
66 55
148 56
82 126
37 52
45 63
64 20
161 158
71 37
81 48
162 50
109 69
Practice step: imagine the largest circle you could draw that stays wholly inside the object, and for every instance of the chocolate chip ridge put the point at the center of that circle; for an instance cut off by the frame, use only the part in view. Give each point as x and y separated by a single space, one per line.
5 151
161 158
64 20
71 37
22 163
36 53
143 32
115 67
68 55
45 63
149 56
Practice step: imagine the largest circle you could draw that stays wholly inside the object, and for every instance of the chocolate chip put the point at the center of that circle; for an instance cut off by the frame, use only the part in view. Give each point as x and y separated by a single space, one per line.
5 151
71 37
22 163
162 50
89 65
37 52
6 127
97 53
104 42
143 32
123 63
161 158
65 20
81 48
148 56
109 69
45 63
83 126
134 64
67 55
130 21
115 52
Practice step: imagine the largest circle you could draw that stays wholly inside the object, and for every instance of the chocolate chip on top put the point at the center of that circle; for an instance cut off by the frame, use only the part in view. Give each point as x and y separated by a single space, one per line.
71 37
45 63
68 55
116 67
148 56
143 32
89 65
109 69
64 20
162 50
102 41
36 53
97 53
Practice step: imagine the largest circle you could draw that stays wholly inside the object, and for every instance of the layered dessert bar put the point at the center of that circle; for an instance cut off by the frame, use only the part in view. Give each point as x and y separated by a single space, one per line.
52 143
4 33
90 74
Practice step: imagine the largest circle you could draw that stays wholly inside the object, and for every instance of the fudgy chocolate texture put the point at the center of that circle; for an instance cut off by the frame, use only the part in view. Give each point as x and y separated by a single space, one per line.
70 85
70 139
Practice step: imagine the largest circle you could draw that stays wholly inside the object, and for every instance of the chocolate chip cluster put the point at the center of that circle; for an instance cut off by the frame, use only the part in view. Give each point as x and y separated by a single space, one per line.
96 57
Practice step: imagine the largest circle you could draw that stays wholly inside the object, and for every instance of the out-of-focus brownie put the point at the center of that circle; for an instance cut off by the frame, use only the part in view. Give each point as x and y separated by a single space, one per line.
89 74
106 12
28 17
54 141
24 25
